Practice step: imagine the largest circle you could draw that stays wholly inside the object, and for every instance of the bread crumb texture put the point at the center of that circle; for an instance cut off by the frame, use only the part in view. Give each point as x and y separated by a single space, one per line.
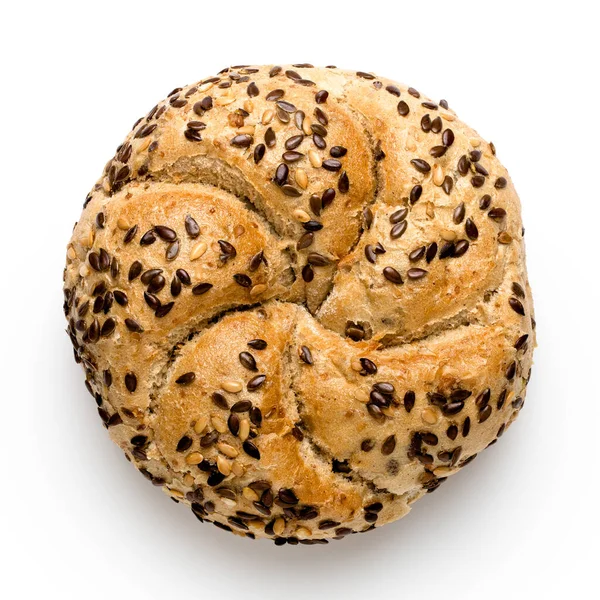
300 299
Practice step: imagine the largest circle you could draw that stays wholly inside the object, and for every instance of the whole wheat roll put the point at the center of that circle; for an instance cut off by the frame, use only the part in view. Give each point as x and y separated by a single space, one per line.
300 299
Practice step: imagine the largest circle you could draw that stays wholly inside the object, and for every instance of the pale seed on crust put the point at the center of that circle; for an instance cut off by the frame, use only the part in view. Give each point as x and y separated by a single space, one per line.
224 100
267 117
227 450
249 129
198 250
223 465
315 159
239 230
301 215
430 415
475 142
356 365
143 145
448 117
443 471
303 532
123 224
362 396
306 126
301 178
250 494
72 255
244 431
237 468
438 175
279 526
448 235
194 458
429 210
206 86
233 387
84 270
218 424
248 106
258 289
201 424
188 480
504 237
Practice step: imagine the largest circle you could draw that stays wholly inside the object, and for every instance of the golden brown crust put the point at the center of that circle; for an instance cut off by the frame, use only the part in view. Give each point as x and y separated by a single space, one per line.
300 299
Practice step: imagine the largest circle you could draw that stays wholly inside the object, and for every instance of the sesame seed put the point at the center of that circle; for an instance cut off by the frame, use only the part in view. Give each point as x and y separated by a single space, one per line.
231 386
244 429
198 250
200 425
314 158
194 458
301 178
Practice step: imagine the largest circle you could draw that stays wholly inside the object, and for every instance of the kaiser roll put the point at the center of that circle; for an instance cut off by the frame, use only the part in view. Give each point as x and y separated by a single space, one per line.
300 299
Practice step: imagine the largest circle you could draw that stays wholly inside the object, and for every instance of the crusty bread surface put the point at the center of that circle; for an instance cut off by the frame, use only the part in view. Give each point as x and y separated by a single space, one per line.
300 299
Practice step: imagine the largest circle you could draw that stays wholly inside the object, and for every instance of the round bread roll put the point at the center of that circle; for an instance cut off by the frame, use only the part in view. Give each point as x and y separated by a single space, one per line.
300 299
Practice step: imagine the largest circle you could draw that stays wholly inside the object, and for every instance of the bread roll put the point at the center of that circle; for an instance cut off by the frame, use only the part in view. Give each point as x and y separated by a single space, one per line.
300 299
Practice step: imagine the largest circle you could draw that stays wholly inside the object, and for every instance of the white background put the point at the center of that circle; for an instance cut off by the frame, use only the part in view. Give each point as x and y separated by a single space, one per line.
77 521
